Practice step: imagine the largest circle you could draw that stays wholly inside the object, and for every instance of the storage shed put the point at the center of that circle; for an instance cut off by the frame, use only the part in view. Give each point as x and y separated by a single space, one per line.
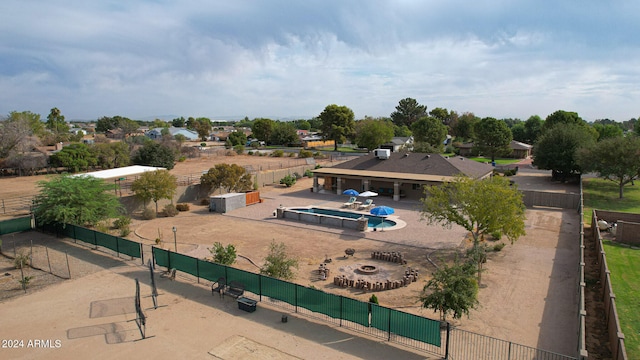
227 202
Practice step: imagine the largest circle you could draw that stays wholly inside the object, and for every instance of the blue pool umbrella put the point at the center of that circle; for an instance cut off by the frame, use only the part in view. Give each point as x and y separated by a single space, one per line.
382 211
351 192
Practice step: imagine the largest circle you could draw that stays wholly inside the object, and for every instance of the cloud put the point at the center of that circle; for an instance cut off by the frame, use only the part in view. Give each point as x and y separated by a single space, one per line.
282 58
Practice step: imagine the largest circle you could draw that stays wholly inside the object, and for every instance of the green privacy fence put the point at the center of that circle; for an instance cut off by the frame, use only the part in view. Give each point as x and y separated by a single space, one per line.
348 312
96 238
15 225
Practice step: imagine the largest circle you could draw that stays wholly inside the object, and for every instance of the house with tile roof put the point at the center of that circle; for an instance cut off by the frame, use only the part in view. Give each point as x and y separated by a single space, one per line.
399 175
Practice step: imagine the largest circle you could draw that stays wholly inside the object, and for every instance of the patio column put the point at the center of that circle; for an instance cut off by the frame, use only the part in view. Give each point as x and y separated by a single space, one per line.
396 191
365 184
315 183
338 185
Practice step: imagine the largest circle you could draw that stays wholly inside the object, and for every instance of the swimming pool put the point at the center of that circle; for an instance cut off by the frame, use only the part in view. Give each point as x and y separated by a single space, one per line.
374 222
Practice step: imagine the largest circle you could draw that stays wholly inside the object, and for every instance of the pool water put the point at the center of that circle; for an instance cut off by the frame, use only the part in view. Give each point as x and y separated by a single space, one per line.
374 221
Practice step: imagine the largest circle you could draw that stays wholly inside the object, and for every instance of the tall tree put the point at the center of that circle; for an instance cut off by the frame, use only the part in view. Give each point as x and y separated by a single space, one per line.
371 133
492 137
451 290
607 131
431 131
615 159
33 120
155 185
231 177
463 129
178 122
111 155
562 117
14 133
337 124
57 124
533 129
203 127
557 150
407 112
284 133
261 129
82 200
154 154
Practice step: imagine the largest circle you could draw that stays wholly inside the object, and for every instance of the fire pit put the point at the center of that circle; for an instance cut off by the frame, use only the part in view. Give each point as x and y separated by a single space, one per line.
367 269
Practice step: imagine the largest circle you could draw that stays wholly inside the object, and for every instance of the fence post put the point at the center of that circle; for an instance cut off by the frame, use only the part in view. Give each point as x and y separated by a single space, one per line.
509 354
46 249
446 348
198 270
141 253
68 268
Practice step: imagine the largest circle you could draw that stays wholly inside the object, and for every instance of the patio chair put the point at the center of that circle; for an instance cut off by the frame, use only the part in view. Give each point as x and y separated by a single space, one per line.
350 203
366 205
219 286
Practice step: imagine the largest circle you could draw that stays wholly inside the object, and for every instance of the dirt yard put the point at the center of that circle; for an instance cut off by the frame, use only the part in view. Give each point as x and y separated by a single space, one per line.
528 293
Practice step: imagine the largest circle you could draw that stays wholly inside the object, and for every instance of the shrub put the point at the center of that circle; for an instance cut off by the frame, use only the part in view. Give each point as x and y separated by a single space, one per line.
203 144
125 231
148 214
308 173
292 154
239 149
498 247
278 153
373 299
497 235
170 210
122 222
297 175
25 281
21 260
305 153
278 264
250 152
288 180
182 207
223 255
204 201
182 158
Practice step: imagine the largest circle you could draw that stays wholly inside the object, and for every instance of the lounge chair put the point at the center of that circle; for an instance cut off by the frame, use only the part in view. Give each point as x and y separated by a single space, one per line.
219 286
350 203
366 205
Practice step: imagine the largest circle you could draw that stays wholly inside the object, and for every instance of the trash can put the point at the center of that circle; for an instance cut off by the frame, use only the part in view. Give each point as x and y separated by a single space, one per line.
247 304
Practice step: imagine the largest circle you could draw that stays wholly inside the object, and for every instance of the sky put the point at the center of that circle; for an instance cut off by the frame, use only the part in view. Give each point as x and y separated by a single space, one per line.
290 59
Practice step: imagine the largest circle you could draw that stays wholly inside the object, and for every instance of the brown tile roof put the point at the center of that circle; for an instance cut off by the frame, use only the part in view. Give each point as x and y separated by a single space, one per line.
419 163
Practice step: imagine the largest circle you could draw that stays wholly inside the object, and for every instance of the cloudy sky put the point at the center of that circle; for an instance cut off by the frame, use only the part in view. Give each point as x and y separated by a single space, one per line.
287 58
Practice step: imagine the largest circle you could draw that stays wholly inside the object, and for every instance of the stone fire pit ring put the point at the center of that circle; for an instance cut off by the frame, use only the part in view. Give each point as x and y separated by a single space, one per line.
367 269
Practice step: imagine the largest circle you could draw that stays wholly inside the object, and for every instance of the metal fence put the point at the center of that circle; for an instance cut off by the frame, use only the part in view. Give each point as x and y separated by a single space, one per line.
21 204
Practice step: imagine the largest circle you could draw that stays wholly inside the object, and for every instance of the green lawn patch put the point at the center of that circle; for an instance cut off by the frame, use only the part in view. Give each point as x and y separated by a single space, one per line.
624 264
623 261
483 159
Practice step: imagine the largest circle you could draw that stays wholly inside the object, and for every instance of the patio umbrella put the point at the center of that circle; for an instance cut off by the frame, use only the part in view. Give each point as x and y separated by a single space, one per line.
350 192
382 211
368 194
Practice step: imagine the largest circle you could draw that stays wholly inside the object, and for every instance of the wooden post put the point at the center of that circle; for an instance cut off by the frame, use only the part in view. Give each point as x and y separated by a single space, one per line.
68 268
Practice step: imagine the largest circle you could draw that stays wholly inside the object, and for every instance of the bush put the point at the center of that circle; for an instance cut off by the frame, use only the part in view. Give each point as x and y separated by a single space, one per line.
122 222
305 153
223 255
182 207
288 180
278 153
498 247
297 175
373 299
125 231
21 260
204 201
497 235
308 173
250 152
148 214
203 144
292 154
278 264
182 158
239 149
170 210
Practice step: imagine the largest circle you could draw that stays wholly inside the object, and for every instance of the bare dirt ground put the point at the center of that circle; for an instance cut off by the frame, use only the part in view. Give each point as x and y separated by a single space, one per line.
529 297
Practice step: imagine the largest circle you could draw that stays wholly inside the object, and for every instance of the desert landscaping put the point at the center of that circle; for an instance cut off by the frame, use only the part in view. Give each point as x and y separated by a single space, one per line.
528 294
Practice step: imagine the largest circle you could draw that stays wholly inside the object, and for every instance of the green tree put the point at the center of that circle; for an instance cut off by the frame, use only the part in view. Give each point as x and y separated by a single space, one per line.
178 122
283 133
401 131
451 290
155 185
407 112
31 119
607 131
261 129
154 154
371 133
337 124
448 118
431 131
15 136
278 264
562 117
557 150
111 155
80 200
237 138
533 127
302 124
223 255
615 159
492 137
203 127
57 125
231 177
463 129
128 126
480 206
107 123
519 132
74 158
